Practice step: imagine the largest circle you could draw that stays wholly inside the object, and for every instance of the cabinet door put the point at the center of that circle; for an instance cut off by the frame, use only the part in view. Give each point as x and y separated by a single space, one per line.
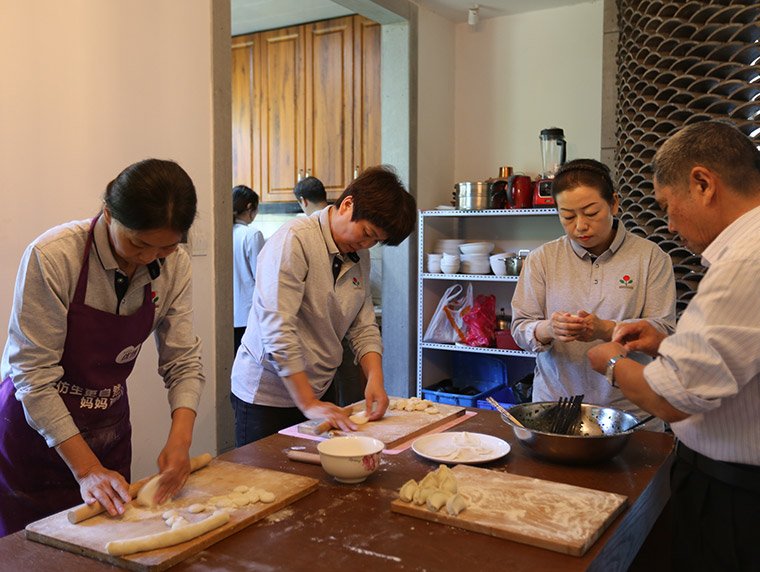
283 113
329 103
242 96
367 102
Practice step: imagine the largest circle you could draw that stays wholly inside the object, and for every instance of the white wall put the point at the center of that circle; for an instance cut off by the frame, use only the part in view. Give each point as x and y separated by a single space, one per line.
88 88
516 75
435 109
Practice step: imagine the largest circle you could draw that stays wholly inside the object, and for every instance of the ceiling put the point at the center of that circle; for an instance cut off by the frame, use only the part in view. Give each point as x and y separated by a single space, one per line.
255 15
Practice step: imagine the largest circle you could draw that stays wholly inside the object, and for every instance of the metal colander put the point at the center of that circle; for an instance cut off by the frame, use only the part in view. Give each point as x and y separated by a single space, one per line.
602 433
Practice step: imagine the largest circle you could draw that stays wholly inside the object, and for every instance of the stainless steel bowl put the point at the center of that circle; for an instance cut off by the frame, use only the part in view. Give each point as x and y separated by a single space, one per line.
603 432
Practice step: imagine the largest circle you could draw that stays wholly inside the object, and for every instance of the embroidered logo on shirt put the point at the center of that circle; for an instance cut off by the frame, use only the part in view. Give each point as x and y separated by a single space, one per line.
128 354
626 282
154 298
356 282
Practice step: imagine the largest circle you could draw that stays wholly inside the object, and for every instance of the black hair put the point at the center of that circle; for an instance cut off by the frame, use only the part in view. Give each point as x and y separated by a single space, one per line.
311 189
584 173
380 198
244 198
152 194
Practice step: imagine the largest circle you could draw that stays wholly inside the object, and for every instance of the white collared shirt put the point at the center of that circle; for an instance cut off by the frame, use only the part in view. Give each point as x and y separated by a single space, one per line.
710 367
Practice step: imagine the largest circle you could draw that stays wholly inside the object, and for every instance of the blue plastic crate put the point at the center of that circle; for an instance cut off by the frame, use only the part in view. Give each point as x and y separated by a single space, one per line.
487 374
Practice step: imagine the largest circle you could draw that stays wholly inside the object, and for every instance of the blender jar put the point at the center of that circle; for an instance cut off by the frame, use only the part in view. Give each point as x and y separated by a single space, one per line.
553 147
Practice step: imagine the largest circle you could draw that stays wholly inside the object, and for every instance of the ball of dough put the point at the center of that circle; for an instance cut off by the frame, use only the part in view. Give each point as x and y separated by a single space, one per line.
239 499
266 496
241 489
432 410
196 508
179 522
169 513
253 496
224 502
359 418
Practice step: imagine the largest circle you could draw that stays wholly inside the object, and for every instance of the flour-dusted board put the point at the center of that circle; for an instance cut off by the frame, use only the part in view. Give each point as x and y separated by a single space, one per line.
397 427
219 478
556 516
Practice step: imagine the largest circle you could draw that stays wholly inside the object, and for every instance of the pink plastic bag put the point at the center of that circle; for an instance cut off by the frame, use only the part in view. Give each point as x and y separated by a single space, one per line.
481 322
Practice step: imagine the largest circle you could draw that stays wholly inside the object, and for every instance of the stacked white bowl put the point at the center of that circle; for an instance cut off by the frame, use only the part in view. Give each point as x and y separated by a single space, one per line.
450 263
474 258
448 245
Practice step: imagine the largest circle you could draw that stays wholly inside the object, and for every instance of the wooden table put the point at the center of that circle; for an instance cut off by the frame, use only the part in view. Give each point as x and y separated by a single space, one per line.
351 527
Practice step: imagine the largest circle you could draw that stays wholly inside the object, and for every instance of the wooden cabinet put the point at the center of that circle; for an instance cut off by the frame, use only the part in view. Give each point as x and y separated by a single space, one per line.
306 101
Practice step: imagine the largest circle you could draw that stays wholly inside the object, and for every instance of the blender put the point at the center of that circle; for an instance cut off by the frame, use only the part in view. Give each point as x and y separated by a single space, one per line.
553 153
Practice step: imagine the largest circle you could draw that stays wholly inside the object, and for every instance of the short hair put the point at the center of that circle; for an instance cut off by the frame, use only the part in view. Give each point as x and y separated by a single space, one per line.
152 194
716 145
243 196
584 173
380 198
311 189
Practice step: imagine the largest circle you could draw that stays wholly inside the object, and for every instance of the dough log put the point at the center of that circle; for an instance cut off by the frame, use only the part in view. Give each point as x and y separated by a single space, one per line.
168 538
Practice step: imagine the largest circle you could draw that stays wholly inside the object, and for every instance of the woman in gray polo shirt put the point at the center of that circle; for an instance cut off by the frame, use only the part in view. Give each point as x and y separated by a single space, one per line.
312 289
573 290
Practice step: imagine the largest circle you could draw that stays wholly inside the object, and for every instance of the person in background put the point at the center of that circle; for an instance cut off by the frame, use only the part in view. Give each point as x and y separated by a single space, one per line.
247 242
349 382
310 194
312 289
88 294
573 290
705 378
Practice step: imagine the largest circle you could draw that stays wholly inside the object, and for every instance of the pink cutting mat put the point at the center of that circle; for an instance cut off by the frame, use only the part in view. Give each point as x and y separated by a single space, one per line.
293 432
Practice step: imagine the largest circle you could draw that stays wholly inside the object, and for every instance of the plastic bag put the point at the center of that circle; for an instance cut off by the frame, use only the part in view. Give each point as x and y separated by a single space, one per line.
447 326
481 322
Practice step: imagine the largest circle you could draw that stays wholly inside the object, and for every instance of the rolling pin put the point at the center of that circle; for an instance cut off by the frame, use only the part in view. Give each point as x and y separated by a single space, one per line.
85 511
317 426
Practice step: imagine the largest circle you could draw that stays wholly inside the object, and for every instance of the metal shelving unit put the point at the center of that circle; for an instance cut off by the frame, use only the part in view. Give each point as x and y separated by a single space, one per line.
509 230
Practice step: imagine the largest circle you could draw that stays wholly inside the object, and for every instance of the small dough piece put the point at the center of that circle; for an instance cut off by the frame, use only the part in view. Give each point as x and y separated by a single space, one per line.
224 502
401 404
420 406
147 494
449 484
422 493
266 496
253 496
436 500
180 521
431 410
169 513
410 405
241 489
430 480
196 508
455 504
406 493
392 404
239 499
172 519
359 418
169 537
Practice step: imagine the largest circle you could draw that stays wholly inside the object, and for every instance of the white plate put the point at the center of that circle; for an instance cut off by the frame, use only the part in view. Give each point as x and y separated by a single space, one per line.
460 447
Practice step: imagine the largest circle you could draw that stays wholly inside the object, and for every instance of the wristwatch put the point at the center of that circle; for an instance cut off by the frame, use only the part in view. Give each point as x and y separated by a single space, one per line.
610 375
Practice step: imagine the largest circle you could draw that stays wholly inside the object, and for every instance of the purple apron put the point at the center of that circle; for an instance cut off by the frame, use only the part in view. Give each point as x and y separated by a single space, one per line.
98 356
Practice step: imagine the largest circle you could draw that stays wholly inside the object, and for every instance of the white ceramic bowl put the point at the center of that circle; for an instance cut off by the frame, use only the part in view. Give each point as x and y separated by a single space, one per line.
450 267
448 245
350 459
476 248
499 264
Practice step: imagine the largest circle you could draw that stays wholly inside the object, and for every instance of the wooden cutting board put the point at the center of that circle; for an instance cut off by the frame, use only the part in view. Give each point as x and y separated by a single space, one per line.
219 478
397 427
557 516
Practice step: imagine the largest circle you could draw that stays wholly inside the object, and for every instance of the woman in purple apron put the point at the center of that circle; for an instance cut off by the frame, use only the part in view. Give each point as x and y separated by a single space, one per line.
149 207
